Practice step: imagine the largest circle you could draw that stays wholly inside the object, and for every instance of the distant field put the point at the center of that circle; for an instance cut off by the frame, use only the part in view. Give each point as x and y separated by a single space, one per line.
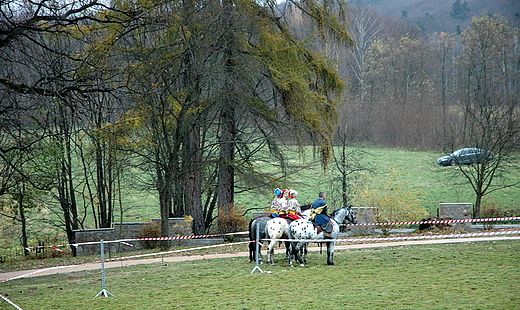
416 171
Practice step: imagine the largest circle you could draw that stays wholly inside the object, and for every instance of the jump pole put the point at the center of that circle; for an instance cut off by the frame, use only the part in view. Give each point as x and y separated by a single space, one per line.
103 281
257 250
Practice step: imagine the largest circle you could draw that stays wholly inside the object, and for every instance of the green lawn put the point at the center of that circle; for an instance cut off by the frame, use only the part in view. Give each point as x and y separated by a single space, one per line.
480 275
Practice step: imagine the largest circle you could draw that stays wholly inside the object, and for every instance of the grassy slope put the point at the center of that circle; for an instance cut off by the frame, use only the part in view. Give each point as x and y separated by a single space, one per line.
481 275
418 171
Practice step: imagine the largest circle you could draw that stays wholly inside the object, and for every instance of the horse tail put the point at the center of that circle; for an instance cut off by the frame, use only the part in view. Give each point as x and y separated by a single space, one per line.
251 237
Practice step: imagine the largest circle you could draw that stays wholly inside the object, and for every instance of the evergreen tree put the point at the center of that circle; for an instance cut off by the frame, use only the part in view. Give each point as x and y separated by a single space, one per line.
460 10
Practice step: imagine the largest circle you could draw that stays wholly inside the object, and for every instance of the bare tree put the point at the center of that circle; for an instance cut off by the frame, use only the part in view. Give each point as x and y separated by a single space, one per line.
365 27
349 161
490 75
44 67
444 49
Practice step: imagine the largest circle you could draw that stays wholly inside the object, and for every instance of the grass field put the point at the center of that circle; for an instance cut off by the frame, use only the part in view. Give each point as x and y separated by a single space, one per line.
479 275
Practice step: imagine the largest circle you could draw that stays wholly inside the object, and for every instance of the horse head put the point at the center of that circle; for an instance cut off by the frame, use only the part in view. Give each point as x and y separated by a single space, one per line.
344 213
351 216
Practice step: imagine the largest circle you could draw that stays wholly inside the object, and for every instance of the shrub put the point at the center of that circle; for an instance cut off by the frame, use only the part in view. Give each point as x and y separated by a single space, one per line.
490 210
150 231
393 200
231 222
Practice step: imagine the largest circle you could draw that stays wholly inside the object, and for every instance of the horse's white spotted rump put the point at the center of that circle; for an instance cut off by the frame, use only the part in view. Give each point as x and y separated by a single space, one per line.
277 228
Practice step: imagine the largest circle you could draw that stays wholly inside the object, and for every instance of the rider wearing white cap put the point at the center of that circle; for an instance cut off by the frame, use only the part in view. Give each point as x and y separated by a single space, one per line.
293 206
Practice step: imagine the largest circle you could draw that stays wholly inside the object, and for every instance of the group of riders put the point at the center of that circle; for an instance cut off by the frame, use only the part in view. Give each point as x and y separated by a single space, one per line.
285 205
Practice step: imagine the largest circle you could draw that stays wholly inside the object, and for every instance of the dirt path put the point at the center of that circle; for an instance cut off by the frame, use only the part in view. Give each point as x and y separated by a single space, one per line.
6 276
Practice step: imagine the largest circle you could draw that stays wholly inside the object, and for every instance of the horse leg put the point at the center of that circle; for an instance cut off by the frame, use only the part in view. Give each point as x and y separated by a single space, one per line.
270 252
252 251
296 248
288 249
304 252
292 255
330 253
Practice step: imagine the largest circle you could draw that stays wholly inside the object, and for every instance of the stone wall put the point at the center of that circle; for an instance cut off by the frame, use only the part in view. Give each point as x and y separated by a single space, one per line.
93 235
363 215
457 211
178 227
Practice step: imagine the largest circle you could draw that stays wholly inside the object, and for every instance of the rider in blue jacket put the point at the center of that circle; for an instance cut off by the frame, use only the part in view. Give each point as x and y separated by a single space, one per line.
319 213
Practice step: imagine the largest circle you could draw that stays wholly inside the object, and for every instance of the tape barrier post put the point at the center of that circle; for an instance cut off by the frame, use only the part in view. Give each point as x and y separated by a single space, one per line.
103 281
257 252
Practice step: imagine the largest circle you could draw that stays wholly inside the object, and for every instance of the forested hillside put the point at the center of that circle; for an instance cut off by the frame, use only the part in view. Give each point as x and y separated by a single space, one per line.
443 15
409 87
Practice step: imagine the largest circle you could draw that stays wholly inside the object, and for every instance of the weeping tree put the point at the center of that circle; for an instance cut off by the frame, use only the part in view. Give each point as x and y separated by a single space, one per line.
274 80
164 55
207 78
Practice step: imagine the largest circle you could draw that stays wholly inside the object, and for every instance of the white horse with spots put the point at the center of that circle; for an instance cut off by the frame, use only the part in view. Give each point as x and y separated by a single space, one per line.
276 228
305 230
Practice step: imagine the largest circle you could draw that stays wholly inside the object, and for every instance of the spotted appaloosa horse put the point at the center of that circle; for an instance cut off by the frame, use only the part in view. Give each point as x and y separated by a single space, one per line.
305 230
257 225
277 228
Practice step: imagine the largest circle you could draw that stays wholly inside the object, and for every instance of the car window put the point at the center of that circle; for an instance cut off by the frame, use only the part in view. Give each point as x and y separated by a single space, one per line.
458 152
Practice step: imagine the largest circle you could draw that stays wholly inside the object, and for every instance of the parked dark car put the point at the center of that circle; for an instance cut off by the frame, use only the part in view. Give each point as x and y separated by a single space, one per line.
466 156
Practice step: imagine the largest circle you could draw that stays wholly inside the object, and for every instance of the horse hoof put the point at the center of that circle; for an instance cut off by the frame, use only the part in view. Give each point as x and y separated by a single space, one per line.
302 265
330 264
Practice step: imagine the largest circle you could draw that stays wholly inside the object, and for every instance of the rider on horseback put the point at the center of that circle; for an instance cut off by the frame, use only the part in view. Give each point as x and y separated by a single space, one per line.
293 206
319 214
279 204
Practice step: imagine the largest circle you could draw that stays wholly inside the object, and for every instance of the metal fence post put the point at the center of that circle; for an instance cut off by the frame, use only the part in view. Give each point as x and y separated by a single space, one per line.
103 281
257 251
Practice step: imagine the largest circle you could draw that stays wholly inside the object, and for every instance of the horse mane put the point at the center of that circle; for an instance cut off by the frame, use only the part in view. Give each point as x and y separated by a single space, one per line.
337 210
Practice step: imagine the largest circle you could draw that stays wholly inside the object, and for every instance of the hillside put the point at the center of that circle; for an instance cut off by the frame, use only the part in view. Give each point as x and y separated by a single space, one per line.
434 16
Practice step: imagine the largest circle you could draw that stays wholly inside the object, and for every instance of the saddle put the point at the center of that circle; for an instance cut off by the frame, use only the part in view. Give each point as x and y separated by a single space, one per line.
325 228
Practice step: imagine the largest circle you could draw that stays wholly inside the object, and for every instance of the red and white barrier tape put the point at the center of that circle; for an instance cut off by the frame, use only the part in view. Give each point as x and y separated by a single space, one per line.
10 302
497 219
126 241
176 251
466 235
122 258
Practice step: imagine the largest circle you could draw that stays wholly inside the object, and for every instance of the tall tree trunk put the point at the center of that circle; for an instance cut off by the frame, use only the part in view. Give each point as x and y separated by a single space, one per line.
164 186
227 121
226 161
192 149
66 193
101 188
23 220
194 181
